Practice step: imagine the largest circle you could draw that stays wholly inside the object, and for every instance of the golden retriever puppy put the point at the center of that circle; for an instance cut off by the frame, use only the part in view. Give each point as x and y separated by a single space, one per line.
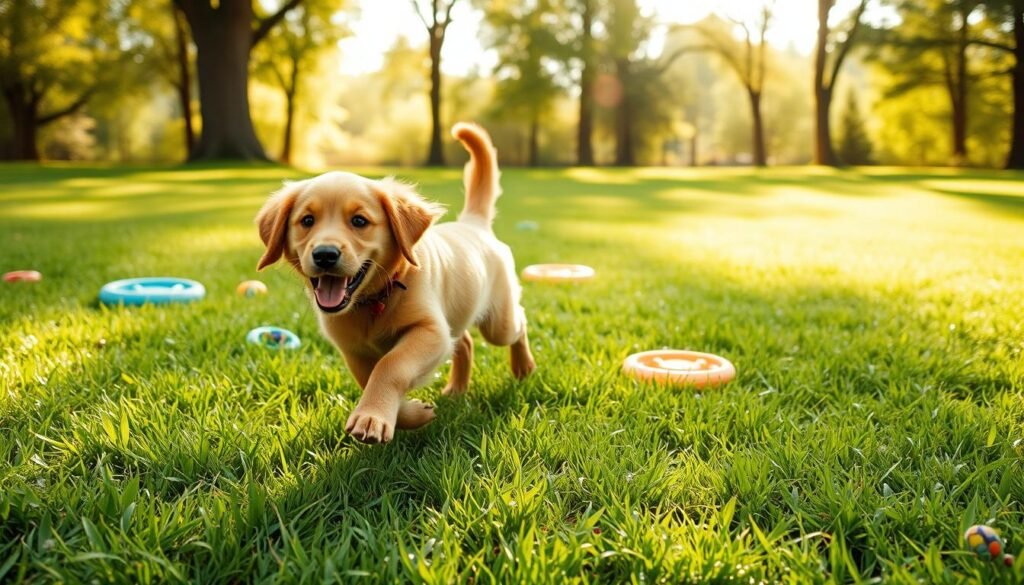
394 292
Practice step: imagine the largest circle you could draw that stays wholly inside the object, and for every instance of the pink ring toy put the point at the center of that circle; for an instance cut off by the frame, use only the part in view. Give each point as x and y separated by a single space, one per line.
23 276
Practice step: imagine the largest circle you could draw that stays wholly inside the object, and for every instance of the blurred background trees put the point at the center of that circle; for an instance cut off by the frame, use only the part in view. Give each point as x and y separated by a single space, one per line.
559 82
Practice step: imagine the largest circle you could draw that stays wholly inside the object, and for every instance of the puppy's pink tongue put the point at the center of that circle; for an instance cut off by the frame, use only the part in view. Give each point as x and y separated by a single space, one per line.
330 291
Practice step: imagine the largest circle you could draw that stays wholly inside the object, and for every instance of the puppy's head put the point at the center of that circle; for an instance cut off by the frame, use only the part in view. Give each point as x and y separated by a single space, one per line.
345 233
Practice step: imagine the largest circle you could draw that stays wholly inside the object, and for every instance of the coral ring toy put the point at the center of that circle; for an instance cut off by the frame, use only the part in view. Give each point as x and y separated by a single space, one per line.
558 272
678 367
23 276
158 290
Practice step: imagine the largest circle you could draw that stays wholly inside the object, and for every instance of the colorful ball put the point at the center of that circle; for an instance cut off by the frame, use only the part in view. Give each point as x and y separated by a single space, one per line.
984 542
251 288
273 338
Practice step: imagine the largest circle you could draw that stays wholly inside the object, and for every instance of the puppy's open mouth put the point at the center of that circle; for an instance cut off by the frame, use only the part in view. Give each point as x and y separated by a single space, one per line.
334 293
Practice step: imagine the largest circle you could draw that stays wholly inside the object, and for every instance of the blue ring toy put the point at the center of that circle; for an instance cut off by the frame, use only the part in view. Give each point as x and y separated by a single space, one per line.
159 290
273 338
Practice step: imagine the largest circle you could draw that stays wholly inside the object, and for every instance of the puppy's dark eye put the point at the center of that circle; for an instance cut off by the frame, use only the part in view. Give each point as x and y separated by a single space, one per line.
359 221
308 220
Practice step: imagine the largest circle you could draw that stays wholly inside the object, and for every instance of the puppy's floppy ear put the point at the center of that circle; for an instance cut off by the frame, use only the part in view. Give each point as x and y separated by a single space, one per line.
409 214
273 222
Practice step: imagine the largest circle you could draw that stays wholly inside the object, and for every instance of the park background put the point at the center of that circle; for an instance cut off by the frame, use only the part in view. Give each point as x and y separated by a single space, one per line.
871 302
558 82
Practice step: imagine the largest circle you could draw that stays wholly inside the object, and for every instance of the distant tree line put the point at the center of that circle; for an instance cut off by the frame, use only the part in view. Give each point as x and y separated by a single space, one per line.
60 57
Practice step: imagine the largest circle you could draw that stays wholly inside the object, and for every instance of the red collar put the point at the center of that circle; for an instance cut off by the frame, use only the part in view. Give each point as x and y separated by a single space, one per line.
376 302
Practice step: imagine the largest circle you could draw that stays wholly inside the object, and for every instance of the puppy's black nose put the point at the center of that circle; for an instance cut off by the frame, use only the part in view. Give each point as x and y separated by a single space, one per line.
326 256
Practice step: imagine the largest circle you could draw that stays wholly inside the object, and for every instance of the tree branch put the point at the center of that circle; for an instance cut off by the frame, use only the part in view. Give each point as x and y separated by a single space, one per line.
416 9
264 25
448 15
665 64
996 73
762 47
72 108
723 52
991 45
844 48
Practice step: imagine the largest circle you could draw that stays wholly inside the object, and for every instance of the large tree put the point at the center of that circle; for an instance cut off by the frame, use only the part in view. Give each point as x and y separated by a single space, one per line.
436 16
586 54
627 29
225 31
528 48
833 46
169 56
748 59
639 97
292 50
54 57
1008 38
930 47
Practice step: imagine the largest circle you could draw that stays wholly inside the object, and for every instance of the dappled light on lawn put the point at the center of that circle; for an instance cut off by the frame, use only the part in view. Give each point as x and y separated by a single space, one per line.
872 319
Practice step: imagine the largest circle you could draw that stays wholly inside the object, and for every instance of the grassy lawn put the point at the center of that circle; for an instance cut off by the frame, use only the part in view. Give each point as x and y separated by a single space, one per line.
876 320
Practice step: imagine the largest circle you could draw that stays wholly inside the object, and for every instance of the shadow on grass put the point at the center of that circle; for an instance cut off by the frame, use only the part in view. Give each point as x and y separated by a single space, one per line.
1004 204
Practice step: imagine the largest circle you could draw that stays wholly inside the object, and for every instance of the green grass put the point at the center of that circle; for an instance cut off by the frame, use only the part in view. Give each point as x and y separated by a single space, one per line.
876 320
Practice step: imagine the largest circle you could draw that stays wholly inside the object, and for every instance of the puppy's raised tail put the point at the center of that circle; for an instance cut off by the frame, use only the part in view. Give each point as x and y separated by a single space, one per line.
481 176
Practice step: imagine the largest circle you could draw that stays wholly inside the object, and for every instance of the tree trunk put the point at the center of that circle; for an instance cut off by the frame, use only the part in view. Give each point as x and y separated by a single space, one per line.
184 85
959 127
824 154
435 157
760 158
24 113
625 155
823 151
693 148
224 37
289 118
958 96
534 150
585 140
1015 160
286 150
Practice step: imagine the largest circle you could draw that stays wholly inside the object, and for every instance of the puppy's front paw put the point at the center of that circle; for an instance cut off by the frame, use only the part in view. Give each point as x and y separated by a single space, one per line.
369 426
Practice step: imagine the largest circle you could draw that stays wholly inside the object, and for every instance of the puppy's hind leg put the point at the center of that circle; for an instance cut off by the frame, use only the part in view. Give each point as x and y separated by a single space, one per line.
522 359
462 366
506 326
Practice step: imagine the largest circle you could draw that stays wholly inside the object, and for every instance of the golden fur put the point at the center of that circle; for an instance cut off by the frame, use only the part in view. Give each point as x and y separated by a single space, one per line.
457 275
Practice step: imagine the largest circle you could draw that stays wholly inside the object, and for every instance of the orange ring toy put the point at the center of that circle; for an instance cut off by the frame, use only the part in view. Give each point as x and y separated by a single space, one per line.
679 367
558 272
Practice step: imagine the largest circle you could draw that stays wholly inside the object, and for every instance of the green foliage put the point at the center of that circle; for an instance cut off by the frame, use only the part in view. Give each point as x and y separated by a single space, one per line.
531 54
52 44
294 46
854 144
293 51
878 410
933 47
56 56
120 59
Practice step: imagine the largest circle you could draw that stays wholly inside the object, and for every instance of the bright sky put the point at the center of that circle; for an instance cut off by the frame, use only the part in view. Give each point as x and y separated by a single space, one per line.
382 21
